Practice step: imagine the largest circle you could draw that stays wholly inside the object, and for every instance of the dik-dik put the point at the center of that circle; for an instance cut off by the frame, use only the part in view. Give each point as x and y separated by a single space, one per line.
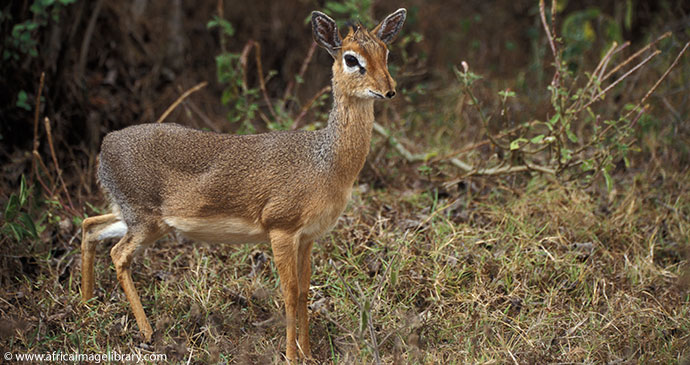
286 188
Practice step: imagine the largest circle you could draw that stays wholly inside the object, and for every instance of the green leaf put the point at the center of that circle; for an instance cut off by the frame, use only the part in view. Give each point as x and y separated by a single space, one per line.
17 231
12 208
225 25
23 192
506 94
28 224
22 100
537 139
515 145
364 316
587 165
554 119
571 136
609 180
394 278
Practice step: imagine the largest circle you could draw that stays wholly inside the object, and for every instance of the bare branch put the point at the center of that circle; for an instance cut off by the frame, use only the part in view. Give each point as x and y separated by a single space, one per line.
174 105
635 55
658 82
297 123
603 92
549 36
36 115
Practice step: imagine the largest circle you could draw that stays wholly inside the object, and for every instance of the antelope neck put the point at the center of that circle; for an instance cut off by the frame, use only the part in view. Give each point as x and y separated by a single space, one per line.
349 133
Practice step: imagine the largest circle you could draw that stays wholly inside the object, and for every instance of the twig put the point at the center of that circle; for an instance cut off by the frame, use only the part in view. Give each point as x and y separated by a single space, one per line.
172 106
37 157
635 55
302 71
610 55
260 74
372 331
668 70
307 106
469 169
553 16
347 287
484 142
81 65
603 92
409 156
195 109
220 9
557 60
57 166
501 170
243 62
599 70
36 115
485 120
384 276
262 81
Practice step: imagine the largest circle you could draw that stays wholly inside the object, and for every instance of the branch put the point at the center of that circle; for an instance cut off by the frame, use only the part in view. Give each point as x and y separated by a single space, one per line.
36 115
549 35
300 75
262 81
469 169
260 75
174 105
409 156
57 167
603 92
635 55
81 64
307 106
668 70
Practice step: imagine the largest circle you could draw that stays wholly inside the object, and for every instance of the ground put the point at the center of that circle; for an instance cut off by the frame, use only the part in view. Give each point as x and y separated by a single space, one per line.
475 272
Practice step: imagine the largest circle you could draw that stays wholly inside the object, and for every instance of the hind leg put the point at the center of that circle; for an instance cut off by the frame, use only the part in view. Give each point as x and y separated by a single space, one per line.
93 229
122 254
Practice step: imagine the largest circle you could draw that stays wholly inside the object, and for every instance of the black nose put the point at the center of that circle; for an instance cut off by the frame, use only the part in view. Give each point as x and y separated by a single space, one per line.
390 94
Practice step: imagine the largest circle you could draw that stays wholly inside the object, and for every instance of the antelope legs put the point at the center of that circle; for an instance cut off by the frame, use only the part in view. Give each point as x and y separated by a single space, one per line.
292 259
304 274
122 254
91 228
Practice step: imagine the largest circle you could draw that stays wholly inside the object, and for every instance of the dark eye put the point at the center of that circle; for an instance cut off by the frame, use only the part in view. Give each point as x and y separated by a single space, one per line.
351 61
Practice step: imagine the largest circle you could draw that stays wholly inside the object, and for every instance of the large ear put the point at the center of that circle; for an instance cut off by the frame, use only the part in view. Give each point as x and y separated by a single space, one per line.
390 27
325 32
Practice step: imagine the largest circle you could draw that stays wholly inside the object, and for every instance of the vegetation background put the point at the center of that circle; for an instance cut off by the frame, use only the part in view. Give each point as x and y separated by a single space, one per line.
528 206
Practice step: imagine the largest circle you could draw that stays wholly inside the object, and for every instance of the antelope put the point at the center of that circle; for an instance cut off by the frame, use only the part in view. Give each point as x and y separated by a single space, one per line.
287 188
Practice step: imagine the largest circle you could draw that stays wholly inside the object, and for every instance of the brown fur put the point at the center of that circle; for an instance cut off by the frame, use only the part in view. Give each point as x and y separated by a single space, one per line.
286 187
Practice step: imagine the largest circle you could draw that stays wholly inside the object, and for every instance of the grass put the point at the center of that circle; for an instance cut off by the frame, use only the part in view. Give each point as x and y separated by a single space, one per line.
480 272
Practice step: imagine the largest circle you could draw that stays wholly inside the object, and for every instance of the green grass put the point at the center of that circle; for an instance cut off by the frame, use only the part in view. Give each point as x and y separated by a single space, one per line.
544 274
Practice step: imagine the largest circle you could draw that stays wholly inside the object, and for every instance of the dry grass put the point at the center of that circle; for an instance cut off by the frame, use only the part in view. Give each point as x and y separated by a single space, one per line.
479 273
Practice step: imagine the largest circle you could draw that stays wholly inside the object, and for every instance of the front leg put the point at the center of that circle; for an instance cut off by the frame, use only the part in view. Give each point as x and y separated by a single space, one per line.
284 246
304 275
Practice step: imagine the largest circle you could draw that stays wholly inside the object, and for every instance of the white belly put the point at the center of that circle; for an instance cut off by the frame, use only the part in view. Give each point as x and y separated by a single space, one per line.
219 229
